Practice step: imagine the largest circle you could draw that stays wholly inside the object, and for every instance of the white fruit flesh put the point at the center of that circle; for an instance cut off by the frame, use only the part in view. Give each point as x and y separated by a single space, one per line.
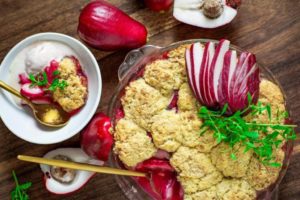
209 84
81 178
240 72
233 63
189 69
197 56
27 90
187 11
218 62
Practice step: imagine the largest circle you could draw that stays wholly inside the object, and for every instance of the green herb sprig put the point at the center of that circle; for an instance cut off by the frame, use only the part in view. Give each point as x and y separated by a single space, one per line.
43 81
39 80
19 193
56 83
261 138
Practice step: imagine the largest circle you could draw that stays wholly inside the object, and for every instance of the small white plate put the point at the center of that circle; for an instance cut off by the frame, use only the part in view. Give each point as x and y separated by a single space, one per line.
21 122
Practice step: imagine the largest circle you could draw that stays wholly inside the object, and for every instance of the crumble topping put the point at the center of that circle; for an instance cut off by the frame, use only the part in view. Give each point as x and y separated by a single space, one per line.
133 145
73 96
141 102
220 156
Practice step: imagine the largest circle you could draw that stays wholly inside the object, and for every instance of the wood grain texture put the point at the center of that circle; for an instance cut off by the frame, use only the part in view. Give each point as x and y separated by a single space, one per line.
269 28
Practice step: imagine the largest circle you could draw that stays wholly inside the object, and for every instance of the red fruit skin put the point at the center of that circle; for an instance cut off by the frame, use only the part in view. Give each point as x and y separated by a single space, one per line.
224 79
96 140
153 164
50 69
193 81
146 185
245 80
207 85
234 3
212 71
189 70
45 179
23 79
119 114
105 27
174 101
161 183
31 92
159 5
203 75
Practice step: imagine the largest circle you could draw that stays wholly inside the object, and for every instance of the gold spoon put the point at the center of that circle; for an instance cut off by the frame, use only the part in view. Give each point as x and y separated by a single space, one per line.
47 114
80 166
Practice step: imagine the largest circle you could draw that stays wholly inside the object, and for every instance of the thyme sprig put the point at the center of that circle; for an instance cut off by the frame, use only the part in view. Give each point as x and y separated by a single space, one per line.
262 138
42 80
19 193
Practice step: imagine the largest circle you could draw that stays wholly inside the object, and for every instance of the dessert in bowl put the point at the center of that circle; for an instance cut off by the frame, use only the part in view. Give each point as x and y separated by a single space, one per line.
158 115
50 67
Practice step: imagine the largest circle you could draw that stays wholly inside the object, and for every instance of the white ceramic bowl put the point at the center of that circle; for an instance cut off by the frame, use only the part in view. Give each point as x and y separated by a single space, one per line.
21 122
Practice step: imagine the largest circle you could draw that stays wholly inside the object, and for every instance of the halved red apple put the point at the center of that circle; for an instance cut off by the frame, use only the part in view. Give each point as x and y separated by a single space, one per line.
64 181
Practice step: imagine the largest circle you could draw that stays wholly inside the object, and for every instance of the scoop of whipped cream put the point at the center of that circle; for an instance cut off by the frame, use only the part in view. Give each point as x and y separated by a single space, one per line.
42 53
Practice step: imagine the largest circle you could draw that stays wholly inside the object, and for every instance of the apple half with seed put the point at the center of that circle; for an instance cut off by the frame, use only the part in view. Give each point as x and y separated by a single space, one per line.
63 181
205 13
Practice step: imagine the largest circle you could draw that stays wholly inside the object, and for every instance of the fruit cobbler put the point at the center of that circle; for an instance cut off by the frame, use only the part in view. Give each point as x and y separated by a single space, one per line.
161 132
62 82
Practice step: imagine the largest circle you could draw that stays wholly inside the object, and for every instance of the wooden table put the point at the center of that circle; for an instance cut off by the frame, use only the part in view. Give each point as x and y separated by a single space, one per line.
269 28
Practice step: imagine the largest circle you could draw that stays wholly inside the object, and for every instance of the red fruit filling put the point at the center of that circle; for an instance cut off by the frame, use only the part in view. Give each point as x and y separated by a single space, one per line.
174 101
162 182
119 114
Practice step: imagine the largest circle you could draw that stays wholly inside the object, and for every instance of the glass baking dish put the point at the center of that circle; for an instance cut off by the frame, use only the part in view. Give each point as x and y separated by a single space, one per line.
131 69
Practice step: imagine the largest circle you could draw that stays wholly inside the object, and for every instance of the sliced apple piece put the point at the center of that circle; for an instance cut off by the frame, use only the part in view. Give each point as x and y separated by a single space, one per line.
63 181
230 62
189 69
239 74
197 57
209 51
216 67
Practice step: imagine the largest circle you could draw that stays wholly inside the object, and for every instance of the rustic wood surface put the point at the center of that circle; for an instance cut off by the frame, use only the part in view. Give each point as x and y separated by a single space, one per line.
269 28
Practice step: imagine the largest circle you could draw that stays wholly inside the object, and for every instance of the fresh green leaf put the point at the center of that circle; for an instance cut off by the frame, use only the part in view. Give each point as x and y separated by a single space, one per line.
251 134
19 193
55 73
274 164
249 98
259 137
268 108
25 186
233 156
224 109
